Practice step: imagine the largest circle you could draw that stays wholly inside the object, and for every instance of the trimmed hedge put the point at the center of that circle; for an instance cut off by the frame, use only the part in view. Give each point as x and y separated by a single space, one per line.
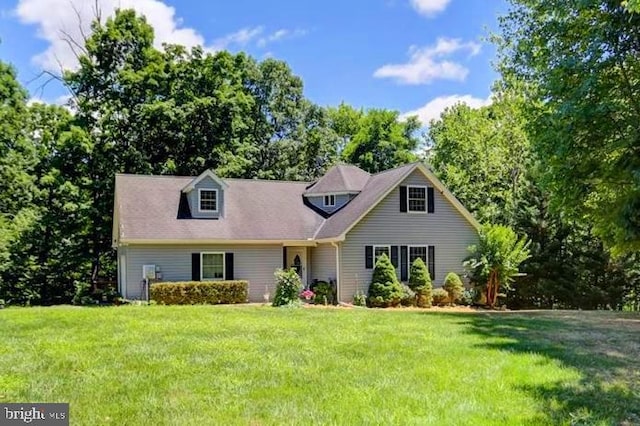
200 292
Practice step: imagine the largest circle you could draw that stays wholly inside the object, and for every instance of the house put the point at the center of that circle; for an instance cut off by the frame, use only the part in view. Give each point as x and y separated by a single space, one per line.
207 228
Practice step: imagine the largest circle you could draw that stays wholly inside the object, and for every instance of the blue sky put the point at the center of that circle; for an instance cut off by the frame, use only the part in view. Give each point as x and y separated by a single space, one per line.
407 55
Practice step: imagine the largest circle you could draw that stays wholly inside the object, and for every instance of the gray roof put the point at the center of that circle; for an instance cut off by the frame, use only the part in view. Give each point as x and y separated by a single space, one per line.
253 210
147 208
340 178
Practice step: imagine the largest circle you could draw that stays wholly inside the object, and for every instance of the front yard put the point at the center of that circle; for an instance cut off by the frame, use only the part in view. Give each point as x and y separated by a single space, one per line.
262 365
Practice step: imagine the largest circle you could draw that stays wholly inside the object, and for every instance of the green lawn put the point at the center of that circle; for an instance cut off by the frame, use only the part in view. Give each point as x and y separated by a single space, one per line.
261 365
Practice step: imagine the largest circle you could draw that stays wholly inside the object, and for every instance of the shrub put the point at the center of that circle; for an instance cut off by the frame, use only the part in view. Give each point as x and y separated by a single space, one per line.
385 289
440 297
199 292
469 297
323 293
420 283
408 296
82 295
288 287
453 286
359 299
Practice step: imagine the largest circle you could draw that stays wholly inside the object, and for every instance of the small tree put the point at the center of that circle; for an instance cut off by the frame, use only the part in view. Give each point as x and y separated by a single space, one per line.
453 286
288 287
495 260
385 289
420 283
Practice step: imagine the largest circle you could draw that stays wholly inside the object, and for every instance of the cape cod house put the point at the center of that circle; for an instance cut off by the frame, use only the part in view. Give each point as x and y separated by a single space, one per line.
207 228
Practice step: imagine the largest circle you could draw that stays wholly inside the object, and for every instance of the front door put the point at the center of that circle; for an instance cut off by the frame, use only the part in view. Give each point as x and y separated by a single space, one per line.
297 259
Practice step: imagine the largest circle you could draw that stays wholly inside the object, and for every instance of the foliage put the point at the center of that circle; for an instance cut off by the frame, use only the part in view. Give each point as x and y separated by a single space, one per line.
440 297
453 286
385 289
288 287
199 292
420 283
374 140
408 296
494 262
359 299
580 62
323 293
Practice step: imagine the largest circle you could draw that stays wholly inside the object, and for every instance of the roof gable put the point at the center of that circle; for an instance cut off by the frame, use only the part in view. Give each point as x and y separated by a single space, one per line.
207 173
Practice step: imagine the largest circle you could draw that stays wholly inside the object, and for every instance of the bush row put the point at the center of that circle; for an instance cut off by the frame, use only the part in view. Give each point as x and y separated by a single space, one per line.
200 292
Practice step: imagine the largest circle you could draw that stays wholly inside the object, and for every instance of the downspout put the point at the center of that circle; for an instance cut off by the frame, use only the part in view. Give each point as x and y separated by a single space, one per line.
337 246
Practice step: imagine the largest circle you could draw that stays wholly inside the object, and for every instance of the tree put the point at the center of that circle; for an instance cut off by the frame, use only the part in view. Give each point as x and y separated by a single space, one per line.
420 283
379 141
453 286
494 262
385 289
581 64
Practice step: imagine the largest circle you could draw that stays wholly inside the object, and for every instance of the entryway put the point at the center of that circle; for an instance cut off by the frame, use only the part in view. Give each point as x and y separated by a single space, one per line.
297 259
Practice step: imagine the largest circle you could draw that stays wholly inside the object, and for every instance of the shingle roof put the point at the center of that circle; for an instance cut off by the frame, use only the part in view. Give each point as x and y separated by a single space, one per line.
340 178
253 210
147 208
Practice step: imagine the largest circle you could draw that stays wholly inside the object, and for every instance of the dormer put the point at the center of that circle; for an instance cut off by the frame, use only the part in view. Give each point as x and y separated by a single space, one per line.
205 195
336 188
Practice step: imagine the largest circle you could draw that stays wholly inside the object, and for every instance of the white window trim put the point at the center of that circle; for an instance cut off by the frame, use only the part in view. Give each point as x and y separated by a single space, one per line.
426 199
200 197
330 196
224 265
388 246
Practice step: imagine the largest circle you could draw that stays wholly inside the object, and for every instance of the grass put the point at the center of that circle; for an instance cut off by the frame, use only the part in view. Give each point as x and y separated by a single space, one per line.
260 365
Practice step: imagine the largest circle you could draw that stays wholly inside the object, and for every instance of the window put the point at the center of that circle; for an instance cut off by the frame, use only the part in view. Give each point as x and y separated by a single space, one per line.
329 200
208 200
417 198
212 266
416 252
379 250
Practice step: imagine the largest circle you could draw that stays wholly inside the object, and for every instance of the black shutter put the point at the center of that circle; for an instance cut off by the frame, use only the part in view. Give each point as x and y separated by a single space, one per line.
228 266
404 263
195 266
430 206
284 258
403 199
431 257
368 257
394 256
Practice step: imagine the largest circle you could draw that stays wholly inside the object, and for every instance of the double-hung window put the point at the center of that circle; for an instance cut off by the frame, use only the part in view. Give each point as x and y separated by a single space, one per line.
208 200
416 252
212 265
379 251
417 198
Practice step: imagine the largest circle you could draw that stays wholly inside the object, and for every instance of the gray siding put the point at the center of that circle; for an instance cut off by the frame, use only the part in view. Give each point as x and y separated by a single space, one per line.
341 200
446 229
192 196
253 263
323 262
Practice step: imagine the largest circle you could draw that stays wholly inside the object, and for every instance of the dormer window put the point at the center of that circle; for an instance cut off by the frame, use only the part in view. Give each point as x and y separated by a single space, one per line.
208 200
329 200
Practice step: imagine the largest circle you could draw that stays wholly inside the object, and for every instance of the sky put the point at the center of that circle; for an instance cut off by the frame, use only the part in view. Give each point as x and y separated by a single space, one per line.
413 56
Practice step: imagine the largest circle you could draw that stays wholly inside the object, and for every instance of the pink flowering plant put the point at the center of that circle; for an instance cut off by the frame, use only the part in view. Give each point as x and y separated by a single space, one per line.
307 294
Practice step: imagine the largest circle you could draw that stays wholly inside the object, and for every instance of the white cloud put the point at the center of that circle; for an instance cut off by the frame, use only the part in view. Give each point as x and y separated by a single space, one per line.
432 109
429 8
280 34
54 18
430 63
240 38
